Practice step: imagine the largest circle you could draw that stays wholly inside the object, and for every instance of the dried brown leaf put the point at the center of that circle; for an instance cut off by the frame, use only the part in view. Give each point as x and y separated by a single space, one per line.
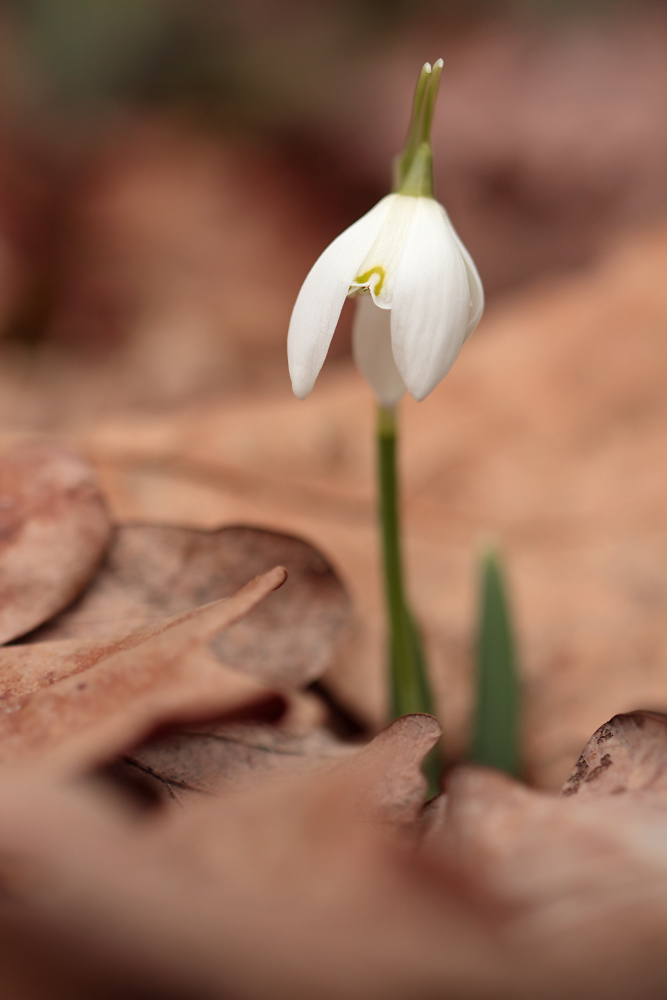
223 756
81 701
152 571
628 753
394 786
215 757
53 531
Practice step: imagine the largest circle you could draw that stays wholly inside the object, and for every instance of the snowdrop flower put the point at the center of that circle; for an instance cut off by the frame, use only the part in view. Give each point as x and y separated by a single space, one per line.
418 292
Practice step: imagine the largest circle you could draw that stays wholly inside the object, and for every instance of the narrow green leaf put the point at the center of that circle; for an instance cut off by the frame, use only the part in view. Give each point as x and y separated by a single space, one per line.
495 740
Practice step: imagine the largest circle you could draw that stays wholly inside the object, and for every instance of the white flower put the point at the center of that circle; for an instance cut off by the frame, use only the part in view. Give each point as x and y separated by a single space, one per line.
425 299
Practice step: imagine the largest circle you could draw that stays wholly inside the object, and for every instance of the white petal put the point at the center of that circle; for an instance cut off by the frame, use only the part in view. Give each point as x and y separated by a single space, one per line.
431 301
371 348
474 284
322 295
378 269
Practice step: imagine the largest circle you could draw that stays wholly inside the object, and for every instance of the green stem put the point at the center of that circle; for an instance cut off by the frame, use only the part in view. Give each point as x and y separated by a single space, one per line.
409 686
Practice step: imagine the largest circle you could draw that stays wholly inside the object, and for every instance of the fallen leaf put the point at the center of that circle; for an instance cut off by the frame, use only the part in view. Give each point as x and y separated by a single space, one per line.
215 757
81 701
393 785
151 571
628 753
210 758
53 532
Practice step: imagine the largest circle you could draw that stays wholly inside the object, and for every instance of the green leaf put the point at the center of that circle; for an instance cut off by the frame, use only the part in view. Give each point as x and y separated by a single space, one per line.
495 740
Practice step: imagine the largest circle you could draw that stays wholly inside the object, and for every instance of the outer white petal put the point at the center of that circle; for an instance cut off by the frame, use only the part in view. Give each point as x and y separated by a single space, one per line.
431 302
371 348
322 295
474 283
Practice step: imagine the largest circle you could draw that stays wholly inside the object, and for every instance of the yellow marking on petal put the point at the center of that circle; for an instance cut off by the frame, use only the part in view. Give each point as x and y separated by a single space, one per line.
363 279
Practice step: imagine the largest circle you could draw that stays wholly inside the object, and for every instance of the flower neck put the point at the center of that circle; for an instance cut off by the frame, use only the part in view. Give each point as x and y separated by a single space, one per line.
418 181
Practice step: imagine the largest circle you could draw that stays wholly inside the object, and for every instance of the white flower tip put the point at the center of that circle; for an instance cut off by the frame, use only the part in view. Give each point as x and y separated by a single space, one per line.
300 387
426 68
419 397
419 392
438 64
302 376
422 385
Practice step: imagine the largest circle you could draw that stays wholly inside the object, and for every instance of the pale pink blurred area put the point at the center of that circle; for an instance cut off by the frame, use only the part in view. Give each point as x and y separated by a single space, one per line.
169 172
549 135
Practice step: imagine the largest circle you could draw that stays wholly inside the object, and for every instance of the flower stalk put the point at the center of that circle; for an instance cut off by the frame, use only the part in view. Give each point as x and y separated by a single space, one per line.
409 685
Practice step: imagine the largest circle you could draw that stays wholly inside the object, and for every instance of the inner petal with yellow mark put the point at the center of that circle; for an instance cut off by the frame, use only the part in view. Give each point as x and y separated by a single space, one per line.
378 269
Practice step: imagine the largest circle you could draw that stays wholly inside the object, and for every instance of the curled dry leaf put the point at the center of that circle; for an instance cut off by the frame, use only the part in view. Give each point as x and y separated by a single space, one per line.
628 753
53 531
152 571
82 701
213 757
394 786
216 757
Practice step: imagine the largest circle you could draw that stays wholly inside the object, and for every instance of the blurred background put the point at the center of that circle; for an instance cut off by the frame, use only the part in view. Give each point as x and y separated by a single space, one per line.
170 169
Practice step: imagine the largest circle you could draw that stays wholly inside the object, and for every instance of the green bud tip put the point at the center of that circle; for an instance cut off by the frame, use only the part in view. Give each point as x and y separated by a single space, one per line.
413 168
